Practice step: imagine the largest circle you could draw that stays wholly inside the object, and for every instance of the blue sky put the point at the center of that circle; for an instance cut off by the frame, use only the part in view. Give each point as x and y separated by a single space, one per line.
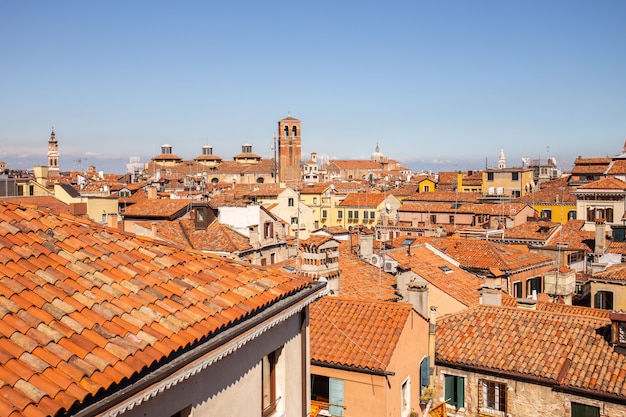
439 85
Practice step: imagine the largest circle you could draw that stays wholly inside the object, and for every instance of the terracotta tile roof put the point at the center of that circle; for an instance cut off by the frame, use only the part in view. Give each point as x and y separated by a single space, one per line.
365 200
612 273
535 231
353 164
572 234
362 280
215 238
43 202
567 348
459 284
260 190
315 188
609 183
485 255
404 190
555 191
158 208
445 196
617 247
362 334
590 165
100 186
85 308
233 167
617 167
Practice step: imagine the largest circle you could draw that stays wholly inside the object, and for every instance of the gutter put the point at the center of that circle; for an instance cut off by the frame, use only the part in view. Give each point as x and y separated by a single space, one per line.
556 386
353 368
117 400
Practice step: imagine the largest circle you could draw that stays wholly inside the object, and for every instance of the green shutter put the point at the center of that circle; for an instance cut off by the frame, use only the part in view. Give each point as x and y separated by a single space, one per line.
460 391
597 303
425 372
335 397
582 410
449 388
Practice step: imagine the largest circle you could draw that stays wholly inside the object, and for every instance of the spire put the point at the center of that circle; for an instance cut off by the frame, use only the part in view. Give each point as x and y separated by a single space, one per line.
501 160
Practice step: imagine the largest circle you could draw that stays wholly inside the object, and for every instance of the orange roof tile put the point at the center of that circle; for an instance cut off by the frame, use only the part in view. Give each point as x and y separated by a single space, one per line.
565 347
609 183
157 208
362 334
99 306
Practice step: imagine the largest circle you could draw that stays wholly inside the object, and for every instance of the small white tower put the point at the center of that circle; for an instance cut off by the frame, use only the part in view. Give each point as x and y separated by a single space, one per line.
501 160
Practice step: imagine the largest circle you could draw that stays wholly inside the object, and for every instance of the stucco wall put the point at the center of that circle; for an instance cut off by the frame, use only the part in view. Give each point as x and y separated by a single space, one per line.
523 398
232 386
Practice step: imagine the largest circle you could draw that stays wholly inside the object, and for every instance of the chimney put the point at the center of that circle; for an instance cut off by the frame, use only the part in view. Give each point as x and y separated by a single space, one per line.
490 295
153 230
112 221
600 242
418 297
618 330
366 246
152 192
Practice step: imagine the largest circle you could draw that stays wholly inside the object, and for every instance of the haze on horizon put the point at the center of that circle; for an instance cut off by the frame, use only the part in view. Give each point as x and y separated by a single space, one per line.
438 85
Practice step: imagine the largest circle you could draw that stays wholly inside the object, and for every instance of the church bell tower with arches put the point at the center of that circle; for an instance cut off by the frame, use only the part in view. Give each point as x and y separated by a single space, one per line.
289 150
53 156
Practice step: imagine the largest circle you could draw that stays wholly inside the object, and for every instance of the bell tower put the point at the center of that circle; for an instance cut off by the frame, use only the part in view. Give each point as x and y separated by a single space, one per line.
53 156
289 150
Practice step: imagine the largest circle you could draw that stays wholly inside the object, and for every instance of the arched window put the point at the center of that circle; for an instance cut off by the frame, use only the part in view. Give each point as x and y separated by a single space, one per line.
215 180
286 131
295 131
260 180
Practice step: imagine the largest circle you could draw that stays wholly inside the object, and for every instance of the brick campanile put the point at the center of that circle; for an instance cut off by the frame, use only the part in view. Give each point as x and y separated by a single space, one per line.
289 150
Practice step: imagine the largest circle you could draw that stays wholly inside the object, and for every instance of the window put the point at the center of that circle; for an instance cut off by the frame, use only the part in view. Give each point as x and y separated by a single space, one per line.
349 214
597 213
571 215
329 392
603 300
356 215
451 219
454 390
268 230
533 284
268 385
290 202
366 215
314 200
294 220
339 214
514 176
405 399
372 214
324 214
492 397
433 219
517 289
425 372
427 188
582 410
546 214
490 176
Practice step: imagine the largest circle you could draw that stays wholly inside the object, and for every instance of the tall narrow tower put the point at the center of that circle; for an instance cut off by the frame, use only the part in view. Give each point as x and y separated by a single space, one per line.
53 156
501 160
289 150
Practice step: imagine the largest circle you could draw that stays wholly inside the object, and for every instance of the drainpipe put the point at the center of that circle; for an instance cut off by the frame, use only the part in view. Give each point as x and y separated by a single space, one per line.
432 330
